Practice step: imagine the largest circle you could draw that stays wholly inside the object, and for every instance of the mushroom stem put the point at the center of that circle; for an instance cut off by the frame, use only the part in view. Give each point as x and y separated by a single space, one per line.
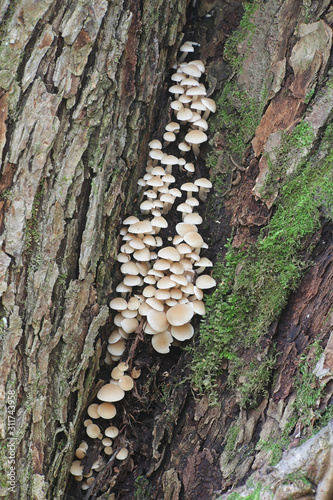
196 150
206 114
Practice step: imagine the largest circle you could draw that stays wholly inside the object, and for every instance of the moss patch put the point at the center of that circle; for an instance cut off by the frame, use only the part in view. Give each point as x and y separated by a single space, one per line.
254 285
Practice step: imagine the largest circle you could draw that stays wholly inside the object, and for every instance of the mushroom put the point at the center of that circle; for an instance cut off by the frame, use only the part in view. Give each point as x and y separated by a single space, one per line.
157 320
183 332
111 431
93 431
161 342
177 90
106 410
189 188
76 468
122 454
92 411
185 49
204 186
205 281
210 107
126 383
179 315
196 137
110 393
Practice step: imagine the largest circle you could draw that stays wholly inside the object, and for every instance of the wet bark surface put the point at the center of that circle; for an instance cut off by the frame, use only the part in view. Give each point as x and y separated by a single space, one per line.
82 91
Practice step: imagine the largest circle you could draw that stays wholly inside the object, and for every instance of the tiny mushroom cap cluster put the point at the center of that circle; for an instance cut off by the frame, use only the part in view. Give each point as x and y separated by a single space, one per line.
163 285
99 425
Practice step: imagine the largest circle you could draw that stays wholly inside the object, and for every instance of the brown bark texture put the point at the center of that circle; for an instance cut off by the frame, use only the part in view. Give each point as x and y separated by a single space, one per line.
81 94
80 82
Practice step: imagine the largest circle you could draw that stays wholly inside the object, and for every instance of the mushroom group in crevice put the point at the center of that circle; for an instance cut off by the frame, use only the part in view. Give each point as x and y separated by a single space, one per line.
163 281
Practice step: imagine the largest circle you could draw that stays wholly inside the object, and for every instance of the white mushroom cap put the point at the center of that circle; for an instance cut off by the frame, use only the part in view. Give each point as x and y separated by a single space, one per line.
141 227
196 137
169 136
162 294
155 144
193 239
184 332
157 320
118 348
122 454
143 255
192 201
189 82
179 315
184 114
122 365
130 268
165 283
180 279
183 146
129 325
176 105
210 105
192 70
175 192
185 99
149 291
76 468
201 124
111 432
161 342
118 304
135 373
156 154
130 279
92 411
177 77
176 89
199 64
172 126
107 410
80 453
130 220
93 431
146 206
199 307
169 253
186 47
107 442
155 304
122 257
110 393
183 228
205 281
126 383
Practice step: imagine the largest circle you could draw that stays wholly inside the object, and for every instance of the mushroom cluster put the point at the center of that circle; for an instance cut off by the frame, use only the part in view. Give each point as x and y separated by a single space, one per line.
162 286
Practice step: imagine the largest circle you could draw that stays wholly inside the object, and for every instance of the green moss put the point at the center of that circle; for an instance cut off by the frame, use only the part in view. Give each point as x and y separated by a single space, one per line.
231 437
237 117
245 31
254 495
291 145
142 488
253 285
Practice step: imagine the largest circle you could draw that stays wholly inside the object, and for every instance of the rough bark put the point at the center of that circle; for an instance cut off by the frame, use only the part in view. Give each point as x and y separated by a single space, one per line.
81 87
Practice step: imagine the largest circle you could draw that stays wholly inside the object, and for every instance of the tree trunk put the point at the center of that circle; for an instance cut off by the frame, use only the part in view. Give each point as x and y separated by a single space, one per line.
82 94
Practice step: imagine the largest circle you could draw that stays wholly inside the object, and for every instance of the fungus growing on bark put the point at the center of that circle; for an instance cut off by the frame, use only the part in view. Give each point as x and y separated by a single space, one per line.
196 137
166 292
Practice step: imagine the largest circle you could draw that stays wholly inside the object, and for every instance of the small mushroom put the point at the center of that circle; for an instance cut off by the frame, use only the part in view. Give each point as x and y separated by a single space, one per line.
196 137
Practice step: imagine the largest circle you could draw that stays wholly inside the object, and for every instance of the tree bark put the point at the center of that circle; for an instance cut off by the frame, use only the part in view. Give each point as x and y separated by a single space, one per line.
81 86
82 94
